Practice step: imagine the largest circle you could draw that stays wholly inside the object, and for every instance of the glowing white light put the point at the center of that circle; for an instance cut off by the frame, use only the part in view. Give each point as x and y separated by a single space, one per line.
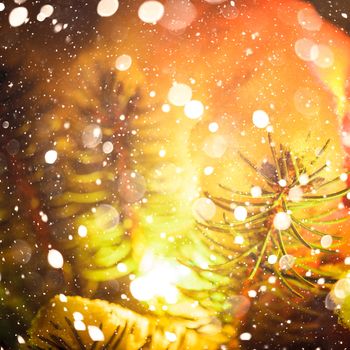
50 157
286 262
306 49
107 147
151 12
213 127
63 298
261 119
166 108
295 194
78 316
342 288
107 8
252 293
123 62
282 221
82 231
79 325
18 16
2 6
20 339
46 10
159 279
40 17
179 94
140 289
240 213
321 281
121 267
326 241
304 179
343 177
171 337
155 284
95 333
309 19
245 336
239 240
194 109
256 191
55 259
282 183
272 259
204 209
208 170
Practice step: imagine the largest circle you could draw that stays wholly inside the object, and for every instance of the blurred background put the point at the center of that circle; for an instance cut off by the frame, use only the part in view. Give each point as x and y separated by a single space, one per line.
74 26
79 23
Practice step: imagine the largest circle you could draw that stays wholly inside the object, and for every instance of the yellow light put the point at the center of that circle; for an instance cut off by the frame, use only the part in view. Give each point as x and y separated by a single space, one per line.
158 280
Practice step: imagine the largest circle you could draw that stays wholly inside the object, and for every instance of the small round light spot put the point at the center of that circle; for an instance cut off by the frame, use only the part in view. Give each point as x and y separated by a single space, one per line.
107 8
50 157
79 325
286 262
171 337
240 213
166 108
282 221
123 63
239 240
179 94
82 231
151 12
261 119
343 177
282 183
256 191
96 333
304 179
245 336
20 340
55 259
208 170
121 267
326 241
107 147
272 259
46 11
213 127
295 194
194 109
